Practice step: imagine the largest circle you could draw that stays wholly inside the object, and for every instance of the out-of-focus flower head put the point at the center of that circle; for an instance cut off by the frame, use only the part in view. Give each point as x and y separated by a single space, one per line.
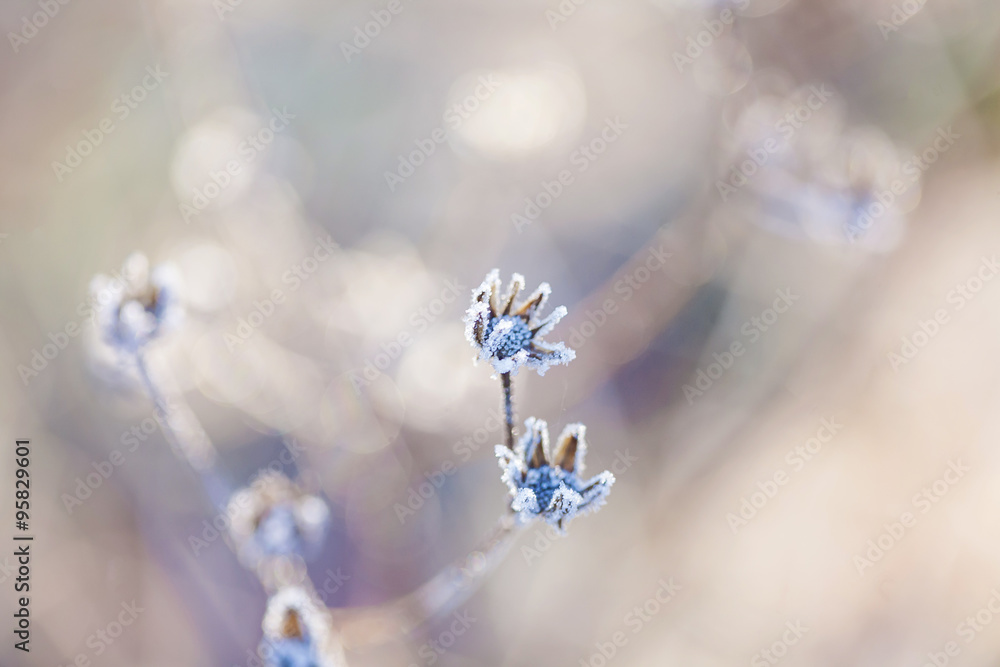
136 306
548 484
795 167
297 632
510 336
275 517
878 191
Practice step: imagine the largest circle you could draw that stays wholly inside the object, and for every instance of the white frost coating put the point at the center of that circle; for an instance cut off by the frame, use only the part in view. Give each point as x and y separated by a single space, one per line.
508 334
289 599
548 491
514 288
546 324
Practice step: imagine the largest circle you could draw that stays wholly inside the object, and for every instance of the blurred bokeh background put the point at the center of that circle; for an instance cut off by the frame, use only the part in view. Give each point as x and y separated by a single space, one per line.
775 226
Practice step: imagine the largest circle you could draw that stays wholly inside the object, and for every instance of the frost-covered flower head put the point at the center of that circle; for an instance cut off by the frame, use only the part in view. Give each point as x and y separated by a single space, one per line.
136 306
274 517
509 335
297 632
546 483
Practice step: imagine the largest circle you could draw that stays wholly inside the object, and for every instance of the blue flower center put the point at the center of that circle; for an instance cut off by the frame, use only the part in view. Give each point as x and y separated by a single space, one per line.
293 653
858 221
545 480
516 337
277 531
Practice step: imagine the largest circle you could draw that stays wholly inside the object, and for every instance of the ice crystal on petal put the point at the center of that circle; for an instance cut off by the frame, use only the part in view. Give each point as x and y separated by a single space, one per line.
546 483
509 334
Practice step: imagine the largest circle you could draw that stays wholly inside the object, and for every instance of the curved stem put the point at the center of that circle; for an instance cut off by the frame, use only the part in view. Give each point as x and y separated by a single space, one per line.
508 406
438 597
185 434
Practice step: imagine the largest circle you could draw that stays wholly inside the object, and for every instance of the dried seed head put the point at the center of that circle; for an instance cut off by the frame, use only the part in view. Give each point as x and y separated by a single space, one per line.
297 632
136 306
547 485
508 334
275 517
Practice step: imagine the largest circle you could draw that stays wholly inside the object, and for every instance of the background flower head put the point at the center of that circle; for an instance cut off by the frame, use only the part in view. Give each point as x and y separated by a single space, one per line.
137 305
297 632
275 517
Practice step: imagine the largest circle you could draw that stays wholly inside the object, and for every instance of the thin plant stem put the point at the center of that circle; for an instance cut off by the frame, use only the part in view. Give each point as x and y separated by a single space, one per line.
436 598
508 405
185 434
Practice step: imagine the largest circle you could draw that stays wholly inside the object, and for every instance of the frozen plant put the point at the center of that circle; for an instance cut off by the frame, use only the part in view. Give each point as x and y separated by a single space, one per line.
543 483
137 307
510 336
275 517
133 309
297 632
546 483
276 525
